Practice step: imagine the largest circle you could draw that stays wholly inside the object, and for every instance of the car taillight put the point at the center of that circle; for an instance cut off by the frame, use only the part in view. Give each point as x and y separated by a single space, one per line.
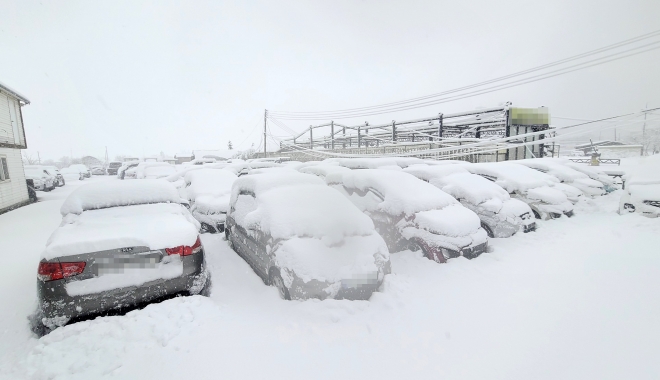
185 250
58 271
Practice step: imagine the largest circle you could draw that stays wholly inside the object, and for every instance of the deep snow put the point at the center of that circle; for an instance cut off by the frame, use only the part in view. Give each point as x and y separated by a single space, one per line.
577 299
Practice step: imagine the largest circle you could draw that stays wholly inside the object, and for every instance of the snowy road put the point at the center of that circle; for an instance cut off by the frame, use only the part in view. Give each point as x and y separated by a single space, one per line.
579 298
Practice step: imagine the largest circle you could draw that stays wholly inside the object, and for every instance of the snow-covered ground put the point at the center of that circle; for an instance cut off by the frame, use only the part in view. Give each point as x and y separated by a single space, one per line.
578 299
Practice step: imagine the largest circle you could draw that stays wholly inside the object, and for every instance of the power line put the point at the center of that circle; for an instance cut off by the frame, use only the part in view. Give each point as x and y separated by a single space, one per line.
569 59
595 62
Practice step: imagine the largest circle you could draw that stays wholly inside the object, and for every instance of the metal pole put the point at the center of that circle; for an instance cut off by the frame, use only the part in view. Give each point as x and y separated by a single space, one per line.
359 138
343 140
265 117
393 131
644 128
332 135
311 138
439 126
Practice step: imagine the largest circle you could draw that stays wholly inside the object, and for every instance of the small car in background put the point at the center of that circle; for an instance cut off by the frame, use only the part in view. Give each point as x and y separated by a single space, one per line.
305 238
54 171
412 214
82 169
121 172
155 170
209 191
500 215
566 175
527 185
97 170
642 192
113 166
41 179
120 244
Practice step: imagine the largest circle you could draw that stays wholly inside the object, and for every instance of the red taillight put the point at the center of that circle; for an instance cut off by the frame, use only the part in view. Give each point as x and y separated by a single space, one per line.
184 250
58 271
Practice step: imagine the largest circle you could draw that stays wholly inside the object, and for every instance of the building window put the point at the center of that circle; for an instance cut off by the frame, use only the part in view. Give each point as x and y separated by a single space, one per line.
4 170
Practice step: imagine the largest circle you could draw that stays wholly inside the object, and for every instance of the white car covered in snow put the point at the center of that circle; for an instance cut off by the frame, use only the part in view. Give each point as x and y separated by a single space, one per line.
501 216
642 192
527 185
566 175
119 245
305 238
412 214
208 191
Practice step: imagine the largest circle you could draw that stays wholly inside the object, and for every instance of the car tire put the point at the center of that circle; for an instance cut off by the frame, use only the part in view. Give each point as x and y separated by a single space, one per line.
208 228
206 290
536 214
275 279
37 326
63 182
488 230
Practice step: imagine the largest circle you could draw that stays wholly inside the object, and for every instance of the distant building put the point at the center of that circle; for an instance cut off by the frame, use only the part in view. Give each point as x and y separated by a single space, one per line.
13 188
129 159
218 155
183 157
586 148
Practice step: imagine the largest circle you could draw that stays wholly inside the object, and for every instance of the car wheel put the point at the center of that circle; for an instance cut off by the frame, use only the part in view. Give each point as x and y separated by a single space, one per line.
206 290
208 228
276 280
227 234
536 214
488 230
37 326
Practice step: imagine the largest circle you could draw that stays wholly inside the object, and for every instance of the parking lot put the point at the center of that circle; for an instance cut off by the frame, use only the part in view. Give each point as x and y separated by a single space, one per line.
578 298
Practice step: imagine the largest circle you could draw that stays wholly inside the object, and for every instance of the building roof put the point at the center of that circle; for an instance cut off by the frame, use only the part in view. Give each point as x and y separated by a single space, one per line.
218 153
598 143
14 93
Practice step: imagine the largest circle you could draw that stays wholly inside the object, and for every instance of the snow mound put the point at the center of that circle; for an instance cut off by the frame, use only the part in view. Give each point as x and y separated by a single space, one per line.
471 187
647 172
547 194
120 193
454 220
258 184
308 210
402 193
323 170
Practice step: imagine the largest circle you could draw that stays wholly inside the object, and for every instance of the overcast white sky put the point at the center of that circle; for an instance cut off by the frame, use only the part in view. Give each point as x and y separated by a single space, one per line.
144 77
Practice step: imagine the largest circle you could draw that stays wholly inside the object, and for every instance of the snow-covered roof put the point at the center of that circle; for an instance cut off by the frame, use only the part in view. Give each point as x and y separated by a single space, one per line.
98 195
322 170
429 172
562 172
512 176
14 93
215 182
647 172
402 193
259 183
365 163
471 187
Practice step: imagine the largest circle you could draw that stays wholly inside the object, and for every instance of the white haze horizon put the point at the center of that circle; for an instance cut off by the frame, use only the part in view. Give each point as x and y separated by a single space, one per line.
148 77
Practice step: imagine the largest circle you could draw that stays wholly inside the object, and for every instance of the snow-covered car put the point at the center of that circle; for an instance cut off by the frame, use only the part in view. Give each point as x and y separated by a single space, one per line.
566 175
97 170
113 167
243 168
527 185
305 238
500 215
119 244
51 171
642 192
82 169
54 171
592 172
209 191
42 180
323 170
155 170
121 172
413 214
366 163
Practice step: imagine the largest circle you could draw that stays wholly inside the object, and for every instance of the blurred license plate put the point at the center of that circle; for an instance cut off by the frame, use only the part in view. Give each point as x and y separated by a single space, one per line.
120 263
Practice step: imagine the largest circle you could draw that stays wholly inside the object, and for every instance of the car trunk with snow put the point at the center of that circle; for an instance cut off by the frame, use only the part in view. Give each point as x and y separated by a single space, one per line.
413 214
305 238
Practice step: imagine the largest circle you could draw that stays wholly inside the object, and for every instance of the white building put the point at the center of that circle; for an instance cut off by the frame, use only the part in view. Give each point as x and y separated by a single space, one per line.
13 189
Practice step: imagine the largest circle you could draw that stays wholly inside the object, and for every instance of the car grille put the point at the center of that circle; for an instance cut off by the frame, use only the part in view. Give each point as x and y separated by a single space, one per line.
652 203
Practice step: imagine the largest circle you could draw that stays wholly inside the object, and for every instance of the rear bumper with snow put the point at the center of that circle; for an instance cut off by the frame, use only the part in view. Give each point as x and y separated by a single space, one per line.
57 307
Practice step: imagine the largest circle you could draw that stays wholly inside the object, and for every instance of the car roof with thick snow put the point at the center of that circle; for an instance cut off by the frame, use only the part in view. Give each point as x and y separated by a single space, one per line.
366 163
94 196
512 176
258 183
549 166
214 182
402 193
429 172
646 172
323 170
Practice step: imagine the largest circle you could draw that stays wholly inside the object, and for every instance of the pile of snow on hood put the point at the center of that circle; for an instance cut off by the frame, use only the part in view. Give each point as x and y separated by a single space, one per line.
120 193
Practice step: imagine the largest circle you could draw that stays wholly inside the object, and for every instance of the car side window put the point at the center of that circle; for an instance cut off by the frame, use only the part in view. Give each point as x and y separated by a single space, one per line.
245 204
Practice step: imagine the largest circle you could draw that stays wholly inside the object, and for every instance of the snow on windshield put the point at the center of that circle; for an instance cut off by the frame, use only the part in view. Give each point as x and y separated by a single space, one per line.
511 176
121 193
471 187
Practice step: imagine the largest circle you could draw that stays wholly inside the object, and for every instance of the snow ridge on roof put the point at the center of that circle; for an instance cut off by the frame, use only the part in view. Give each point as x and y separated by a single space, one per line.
14 93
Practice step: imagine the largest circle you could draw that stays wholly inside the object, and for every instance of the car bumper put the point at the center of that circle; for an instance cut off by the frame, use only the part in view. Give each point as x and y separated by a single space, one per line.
57 307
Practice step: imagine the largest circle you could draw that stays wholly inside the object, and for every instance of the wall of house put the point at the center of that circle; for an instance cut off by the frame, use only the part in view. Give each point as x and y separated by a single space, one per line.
14 190
11 123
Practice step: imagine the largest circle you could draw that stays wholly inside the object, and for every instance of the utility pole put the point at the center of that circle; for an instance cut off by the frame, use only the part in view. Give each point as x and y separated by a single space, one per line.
644 130
265 116
39 158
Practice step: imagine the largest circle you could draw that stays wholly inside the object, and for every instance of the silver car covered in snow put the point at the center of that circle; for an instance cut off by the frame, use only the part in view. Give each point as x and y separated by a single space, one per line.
500 215
304 238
